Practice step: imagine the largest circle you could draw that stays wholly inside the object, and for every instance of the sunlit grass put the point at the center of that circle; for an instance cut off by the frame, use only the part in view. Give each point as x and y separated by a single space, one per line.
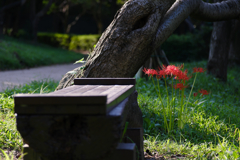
10 139
210 132
211 129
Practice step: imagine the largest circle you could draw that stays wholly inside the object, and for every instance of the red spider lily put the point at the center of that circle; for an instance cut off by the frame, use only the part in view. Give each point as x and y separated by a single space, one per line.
150 72
179 86
195 94
172 70
161 74
198 70
204 92
183 76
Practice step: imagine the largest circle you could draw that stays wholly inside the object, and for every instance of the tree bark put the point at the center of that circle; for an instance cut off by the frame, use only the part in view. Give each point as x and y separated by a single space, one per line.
138 29
37 18
223 47
4 8
234 52
219 49
69 26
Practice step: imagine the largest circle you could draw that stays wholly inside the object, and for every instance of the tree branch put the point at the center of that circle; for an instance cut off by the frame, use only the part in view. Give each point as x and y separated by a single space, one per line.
45 9
21 2
222 11
75 20
181 9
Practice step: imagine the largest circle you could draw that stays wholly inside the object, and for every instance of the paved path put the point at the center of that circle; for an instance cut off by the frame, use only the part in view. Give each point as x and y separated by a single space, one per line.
19 77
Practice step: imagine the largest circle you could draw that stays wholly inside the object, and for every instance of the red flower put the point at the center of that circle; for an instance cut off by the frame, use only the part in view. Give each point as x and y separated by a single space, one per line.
183 76
198 70
204 92
149 72
161 74
195 94
172 70
179 86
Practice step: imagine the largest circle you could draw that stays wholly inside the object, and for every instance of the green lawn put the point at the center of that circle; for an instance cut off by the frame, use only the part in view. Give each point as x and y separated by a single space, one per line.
16 54
211 123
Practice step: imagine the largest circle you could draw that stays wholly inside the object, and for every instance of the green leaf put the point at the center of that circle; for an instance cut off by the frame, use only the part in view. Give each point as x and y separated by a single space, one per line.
72 72
80 61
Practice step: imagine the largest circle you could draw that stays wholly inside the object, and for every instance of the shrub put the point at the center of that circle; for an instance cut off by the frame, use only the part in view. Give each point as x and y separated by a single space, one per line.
188 47
71 42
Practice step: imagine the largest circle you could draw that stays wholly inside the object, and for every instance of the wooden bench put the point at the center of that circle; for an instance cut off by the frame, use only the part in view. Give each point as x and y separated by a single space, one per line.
84 121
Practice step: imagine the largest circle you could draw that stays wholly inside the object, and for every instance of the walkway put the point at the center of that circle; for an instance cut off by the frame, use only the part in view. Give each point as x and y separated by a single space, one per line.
20 77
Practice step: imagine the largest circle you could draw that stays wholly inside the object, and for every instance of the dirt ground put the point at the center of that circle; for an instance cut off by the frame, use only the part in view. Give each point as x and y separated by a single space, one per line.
19 77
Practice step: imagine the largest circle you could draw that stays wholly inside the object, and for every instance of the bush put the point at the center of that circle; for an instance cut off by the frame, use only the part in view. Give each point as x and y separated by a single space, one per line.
71 42
188 47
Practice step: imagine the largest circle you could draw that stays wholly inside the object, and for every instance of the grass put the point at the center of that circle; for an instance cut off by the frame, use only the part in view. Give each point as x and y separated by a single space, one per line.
211 129
10 138
16 54
210 132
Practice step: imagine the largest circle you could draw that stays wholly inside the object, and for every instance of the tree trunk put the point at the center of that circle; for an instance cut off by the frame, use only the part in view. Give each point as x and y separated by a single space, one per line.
138 29
69 26
37 18
219 49
223 47
234 52
7 7
1 23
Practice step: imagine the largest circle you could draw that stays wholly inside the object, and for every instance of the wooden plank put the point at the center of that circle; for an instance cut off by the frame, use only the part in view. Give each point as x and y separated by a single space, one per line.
120 95
46 99
63 109
98 90
104 81
136 135
90 90
66 90
29 153
124 151
120 110
83 89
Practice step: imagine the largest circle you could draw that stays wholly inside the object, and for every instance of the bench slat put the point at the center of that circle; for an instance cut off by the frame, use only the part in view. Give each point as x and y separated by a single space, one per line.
66 90
104 81
82 90
63 109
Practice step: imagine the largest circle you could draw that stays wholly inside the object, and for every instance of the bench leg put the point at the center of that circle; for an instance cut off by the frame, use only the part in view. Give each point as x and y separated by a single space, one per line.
30 154
136 135
124 151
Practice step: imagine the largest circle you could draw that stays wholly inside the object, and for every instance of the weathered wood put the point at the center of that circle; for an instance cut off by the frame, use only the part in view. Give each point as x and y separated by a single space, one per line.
96 99
65 91
70 137
135 135
124 151
104 81
45 99
30 154
75 125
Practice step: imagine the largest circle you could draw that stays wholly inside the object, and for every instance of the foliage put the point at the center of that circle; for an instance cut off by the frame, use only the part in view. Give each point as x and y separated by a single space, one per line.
210 132
15 54
188 46
176 100
211 128
10 138
71 42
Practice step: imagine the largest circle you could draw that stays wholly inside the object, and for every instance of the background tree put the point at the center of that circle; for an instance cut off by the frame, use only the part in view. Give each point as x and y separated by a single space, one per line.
62 9
6 6
139 28
37 15
224 47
